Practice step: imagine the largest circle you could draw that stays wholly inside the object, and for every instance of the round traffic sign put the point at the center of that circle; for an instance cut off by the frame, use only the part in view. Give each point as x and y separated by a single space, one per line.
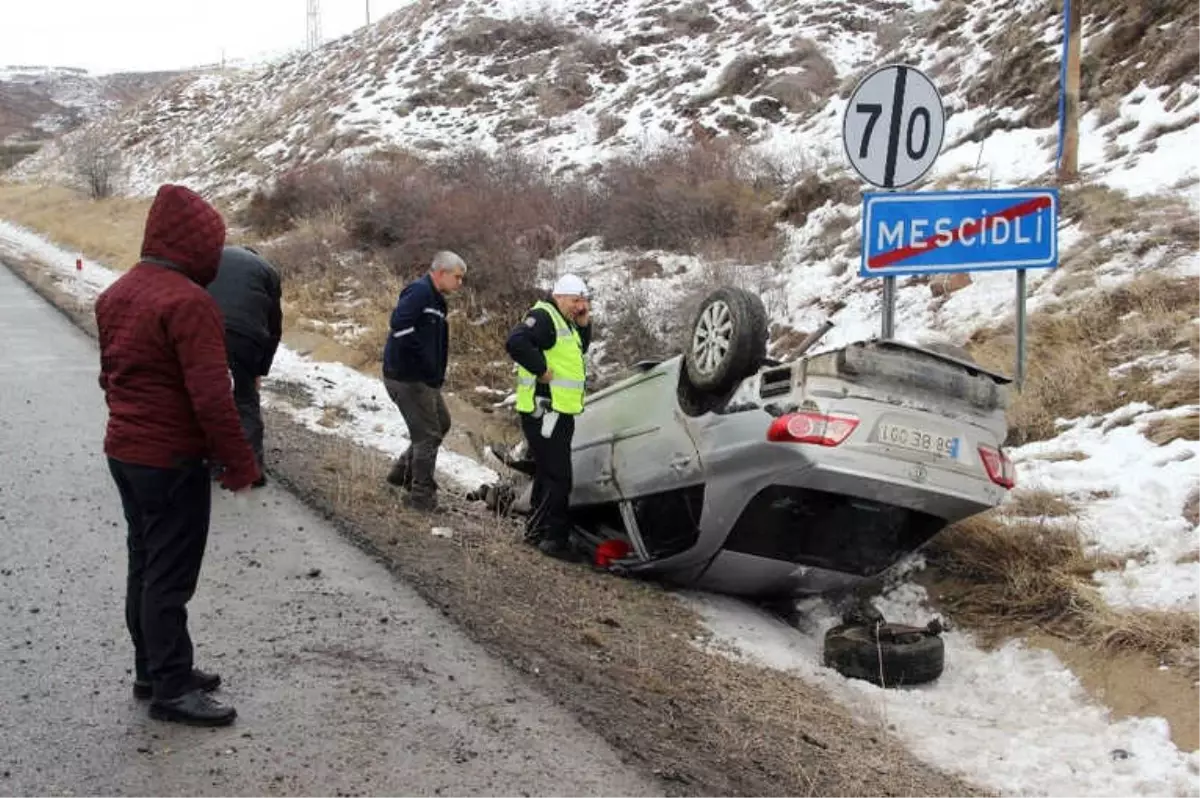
893 127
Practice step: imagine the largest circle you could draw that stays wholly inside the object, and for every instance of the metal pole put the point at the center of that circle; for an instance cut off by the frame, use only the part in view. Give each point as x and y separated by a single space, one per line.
1020 329
889 306
1068 167
368 12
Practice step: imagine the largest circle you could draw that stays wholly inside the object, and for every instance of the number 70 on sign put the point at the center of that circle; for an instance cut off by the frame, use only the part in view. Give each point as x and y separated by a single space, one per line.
894 126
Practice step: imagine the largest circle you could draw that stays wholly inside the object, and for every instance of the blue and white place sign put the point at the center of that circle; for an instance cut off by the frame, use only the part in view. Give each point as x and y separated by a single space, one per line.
929 232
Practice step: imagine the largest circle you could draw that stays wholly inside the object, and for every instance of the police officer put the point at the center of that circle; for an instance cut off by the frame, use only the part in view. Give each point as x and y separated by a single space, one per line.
548 347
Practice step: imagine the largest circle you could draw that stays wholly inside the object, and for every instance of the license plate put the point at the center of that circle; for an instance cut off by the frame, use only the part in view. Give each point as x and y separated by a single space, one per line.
920 440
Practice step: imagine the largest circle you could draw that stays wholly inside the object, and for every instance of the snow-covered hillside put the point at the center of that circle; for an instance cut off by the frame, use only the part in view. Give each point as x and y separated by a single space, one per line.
37 102
578 81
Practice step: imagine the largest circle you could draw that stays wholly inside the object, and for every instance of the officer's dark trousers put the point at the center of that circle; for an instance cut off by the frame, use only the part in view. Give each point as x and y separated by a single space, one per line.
167 512
552 478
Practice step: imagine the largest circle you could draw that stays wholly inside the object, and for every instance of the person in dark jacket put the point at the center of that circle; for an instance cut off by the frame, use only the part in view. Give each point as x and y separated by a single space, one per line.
166 383
414 370
248 291
549 347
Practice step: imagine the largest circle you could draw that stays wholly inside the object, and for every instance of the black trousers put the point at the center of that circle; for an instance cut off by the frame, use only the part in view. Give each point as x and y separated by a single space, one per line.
244 368
552 481
167 512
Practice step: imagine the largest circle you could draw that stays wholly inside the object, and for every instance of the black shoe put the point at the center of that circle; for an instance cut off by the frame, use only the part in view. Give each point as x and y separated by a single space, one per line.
260 482
207 682
559 549
193 708
420 502
400 476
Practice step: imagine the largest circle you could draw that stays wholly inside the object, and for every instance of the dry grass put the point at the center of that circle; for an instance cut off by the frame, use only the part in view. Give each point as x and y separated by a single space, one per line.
108 231
333 416
1164 430
1072 348
1161 35
1058 457
1010 576
485 36
1028 503
1160 220
1191 507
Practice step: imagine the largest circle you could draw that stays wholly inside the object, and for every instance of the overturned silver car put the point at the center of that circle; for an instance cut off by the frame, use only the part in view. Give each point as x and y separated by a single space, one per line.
724 470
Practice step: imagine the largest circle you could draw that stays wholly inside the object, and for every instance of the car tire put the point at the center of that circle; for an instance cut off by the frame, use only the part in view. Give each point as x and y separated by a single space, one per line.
900 657
727 341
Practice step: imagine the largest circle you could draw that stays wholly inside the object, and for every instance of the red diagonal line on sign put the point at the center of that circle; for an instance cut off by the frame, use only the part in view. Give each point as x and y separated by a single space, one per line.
1025 208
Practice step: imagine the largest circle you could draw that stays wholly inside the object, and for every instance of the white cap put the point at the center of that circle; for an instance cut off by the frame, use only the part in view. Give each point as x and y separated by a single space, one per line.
570 285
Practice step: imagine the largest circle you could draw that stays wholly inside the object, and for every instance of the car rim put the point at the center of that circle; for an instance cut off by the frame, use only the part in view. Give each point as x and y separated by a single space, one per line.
712 337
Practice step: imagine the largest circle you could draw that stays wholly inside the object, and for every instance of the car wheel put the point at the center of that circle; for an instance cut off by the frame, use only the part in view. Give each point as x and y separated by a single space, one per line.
728 340
895 656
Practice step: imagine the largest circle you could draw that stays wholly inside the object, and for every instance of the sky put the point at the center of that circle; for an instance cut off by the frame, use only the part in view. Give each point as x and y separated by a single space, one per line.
104 36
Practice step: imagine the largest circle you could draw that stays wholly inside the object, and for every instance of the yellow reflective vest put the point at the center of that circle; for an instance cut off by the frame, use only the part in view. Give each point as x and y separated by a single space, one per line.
565 361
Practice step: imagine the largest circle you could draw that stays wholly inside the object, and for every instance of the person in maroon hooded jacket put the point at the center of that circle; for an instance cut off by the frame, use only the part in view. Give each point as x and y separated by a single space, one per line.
171 418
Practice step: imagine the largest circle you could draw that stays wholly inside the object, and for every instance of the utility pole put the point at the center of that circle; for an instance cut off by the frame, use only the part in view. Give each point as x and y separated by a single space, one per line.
314 24
368 12
1068 166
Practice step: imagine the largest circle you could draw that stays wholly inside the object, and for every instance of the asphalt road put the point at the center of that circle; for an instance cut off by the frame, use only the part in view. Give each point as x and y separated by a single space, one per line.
345 681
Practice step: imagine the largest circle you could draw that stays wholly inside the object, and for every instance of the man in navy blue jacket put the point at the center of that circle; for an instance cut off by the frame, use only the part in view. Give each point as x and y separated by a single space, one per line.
414 370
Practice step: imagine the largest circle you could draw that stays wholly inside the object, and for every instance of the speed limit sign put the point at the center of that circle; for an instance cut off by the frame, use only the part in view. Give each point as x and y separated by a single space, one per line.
893 127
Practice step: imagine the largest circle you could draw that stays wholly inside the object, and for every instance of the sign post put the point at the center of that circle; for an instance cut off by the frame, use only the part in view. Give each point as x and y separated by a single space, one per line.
892 133
1020 370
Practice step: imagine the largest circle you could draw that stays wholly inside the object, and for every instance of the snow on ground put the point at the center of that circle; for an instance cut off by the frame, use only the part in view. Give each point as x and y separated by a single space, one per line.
1013 720
1131 493
329 388
372 419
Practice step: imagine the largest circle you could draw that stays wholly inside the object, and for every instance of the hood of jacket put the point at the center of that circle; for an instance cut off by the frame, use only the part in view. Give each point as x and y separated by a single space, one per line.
185 232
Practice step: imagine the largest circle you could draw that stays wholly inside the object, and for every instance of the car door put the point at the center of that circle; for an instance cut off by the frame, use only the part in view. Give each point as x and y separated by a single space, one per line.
653 451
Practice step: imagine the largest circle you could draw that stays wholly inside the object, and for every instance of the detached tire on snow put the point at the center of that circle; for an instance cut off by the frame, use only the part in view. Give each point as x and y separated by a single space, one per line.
901 656
728 341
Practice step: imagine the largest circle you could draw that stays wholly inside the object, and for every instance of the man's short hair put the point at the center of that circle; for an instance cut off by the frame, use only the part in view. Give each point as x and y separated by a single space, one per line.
446 261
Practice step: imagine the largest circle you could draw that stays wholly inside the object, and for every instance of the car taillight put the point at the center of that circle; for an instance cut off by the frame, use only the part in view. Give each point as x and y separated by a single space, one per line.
999 468
818 428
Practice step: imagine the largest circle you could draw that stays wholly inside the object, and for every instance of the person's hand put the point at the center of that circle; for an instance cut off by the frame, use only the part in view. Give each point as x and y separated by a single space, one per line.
258 383
545 378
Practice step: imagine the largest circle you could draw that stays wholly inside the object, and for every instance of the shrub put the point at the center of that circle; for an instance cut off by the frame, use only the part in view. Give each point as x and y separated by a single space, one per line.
502 214
678 198
628 330
301 193
95 162
487 36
